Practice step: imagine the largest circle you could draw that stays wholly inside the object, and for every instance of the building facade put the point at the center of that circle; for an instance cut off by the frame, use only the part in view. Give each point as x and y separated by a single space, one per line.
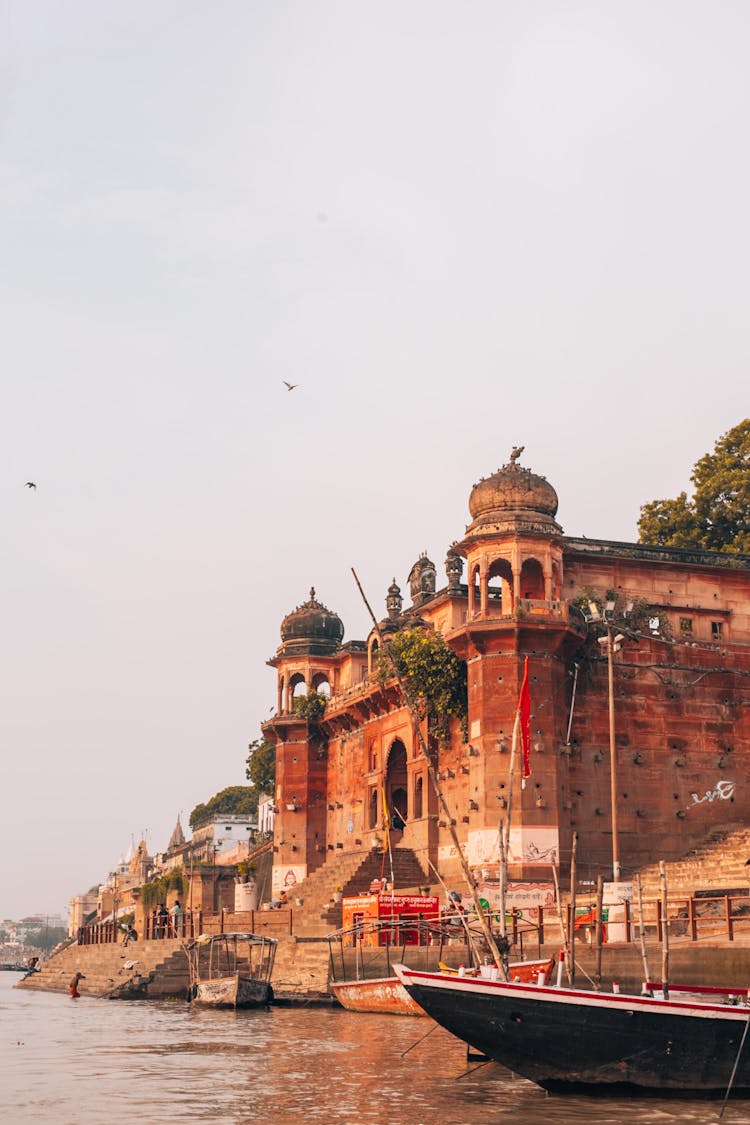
678 623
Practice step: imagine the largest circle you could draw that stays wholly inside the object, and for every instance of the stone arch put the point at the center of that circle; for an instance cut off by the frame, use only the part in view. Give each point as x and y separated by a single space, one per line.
532 580
396 786
372 654
557 580
418 803
321 684
475 597
500 585
296 686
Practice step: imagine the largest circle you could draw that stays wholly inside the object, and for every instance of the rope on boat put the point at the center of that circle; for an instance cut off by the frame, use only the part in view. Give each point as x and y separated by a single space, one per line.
734 1068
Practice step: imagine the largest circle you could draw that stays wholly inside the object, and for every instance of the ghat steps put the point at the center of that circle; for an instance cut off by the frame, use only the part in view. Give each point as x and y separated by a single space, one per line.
719 864
352 872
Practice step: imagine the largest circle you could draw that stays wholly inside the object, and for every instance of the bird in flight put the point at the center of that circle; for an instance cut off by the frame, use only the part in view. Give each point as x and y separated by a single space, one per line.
289 386
30 484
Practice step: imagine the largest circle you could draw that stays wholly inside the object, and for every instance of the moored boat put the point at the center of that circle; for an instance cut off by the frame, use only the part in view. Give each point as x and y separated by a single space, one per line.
371 945
231 970
387 994
569 1040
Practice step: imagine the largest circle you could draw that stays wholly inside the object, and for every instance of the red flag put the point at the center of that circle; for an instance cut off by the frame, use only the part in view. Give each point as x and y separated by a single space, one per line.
524 714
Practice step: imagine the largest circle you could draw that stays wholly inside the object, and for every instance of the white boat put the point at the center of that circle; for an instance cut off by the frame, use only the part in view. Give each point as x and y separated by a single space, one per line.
231 970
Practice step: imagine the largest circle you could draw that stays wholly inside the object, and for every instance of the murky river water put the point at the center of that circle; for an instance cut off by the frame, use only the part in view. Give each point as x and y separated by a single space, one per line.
75 1062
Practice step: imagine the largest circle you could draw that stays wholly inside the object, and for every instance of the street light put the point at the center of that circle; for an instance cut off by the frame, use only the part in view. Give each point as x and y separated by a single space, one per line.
612 642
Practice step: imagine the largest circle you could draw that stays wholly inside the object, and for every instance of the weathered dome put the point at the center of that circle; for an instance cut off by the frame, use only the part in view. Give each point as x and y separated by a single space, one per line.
512 489
312 625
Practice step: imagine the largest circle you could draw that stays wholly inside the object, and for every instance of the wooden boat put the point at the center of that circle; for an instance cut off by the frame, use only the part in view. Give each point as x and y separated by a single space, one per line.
231 970
566 1040
414 939
387 994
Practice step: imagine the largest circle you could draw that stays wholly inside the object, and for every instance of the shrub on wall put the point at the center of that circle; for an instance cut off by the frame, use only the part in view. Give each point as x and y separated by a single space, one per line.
434 678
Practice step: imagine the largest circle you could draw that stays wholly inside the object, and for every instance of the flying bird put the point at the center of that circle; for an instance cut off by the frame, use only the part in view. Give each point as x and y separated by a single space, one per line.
289 386
30 484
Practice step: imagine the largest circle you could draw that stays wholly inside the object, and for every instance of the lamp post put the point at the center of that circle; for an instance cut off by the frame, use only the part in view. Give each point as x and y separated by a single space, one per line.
612 642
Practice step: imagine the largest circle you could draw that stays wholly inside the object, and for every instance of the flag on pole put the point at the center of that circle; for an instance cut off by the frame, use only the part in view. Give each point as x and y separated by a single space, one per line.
524 714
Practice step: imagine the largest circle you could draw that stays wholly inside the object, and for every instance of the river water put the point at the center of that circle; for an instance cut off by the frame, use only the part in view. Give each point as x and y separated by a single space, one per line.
76 1062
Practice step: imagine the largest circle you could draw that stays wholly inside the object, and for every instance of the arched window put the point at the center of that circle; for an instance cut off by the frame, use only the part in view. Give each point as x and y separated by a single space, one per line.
373 808
418 787
320 684
499 583
395 785
532 580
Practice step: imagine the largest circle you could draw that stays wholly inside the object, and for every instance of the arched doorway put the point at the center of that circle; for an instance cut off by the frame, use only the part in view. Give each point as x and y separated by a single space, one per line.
395 787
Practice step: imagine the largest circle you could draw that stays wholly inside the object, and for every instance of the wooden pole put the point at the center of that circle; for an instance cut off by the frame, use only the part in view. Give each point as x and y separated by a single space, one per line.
563 929
573 851
503 880
511 771
599 924
470 881
642 928
665 931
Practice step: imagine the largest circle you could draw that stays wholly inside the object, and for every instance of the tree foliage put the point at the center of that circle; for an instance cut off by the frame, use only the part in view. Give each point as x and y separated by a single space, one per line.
155 891
311 706
717 518
260 767
434 677
234 799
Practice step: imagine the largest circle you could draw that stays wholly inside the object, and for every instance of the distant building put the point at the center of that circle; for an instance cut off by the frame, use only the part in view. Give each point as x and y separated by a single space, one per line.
222 833
266 814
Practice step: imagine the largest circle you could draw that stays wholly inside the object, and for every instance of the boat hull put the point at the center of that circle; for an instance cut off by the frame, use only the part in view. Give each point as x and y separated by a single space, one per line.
570 1041
388 995
233 992
381 994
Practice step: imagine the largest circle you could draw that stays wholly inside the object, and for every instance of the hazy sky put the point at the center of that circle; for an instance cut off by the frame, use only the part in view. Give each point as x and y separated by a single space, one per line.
458 226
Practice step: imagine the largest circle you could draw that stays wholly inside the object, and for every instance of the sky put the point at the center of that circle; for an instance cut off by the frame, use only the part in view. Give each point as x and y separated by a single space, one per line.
458 227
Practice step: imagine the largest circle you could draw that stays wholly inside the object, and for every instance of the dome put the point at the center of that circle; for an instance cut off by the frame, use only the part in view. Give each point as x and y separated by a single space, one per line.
512 489
312 626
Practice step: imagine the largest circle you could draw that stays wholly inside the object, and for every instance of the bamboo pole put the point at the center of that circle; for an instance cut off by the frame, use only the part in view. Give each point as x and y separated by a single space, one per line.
665 931
599 924
503 880
642 928
573 852
511 771
470 881
563 928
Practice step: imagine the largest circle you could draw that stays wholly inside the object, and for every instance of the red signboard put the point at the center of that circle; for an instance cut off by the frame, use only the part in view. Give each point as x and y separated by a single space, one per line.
366 910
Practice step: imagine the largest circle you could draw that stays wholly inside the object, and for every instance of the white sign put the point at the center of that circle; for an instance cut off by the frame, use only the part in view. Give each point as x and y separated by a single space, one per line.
617 892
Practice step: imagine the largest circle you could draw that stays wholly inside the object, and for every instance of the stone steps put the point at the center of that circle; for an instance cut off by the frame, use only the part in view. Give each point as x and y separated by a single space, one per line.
107 968
718 863
353 872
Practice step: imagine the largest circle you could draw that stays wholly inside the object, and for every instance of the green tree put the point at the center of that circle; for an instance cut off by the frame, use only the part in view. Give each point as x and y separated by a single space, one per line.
717 518
234 799
434 677
260 768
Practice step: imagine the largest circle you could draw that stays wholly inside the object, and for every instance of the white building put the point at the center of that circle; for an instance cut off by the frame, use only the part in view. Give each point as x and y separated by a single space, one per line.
223 833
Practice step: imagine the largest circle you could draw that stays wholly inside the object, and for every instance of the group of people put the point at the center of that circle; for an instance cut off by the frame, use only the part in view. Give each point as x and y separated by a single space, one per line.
167 923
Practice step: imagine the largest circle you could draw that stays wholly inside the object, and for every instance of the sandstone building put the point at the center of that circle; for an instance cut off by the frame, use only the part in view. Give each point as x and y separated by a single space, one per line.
680 703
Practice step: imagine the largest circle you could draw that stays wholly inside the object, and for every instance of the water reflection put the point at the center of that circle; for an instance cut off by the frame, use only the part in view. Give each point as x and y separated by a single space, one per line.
88 1061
